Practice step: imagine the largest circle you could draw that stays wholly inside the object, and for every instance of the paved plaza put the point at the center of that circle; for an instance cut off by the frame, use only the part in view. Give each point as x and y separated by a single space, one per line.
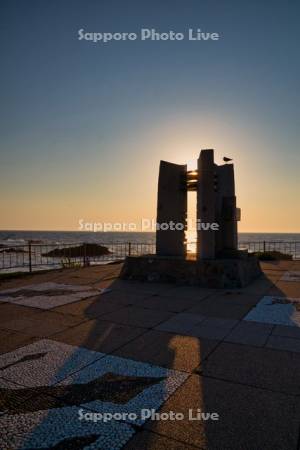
84 357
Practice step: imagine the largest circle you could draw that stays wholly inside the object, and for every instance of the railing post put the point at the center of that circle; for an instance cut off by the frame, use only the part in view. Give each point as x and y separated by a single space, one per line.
29 256
264 246
84 256
129 248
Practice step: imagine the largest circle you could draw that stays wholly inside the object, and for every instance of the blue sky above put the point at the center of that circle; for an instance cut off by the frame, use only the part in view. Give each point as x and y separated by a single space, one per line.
82 124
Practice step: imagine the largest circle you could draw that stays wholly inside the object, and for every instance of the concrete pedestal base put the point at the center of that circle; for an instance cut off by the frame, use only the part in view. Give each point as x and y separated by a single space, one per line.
218 273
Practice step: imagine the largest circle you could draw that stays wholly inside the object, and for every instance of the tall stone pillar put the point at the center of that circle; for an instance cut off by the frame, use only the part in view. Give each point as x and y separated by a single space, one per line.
226 237
206 204
171 206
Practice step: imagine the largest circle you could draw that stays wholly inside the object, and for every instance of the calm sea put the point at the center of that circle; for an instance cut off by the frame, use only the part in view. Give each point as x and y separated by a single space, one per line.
56 237
19 259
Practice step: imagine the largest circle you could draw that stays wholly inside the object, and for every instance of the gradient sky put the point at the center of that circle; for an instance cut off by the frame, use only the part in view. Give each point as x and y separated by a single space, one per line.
83 126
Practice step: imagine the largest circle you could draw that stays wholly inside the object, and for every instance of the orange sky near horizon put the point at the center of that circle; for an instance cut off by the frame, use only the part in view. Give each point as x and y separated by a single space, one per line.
44 196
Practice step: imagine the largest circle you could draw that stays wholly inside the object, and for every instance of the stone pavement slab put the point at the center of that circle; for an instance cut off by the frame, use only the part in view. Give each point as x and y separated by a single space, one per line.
125 297
188 292
214 307
99 335
11 340
27 279
134 287
235 297
135 316
146 440
285 289
10 312
166 303
92 275
284 343
280 265
91 308
273 275
180 323
169 350
285 331
249 418
43 325
19 324
47 329
295 265
250 333
265 368
258 287
213 328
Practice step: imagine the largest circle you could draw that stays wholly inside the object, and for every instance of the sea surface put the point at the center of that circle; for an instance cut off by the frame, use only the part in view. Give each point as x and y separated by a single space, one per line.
16 253
59 237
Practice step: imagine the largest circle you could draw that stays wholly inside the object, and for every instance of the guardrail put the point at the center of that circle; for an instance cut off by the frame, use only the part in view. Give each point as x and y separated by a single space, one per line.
287 247
38 256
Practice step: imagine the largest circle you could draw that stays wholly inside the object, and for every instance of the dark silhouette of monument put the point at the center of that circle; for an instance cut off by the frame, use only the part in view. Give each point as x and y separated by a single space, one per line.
216 204
218 261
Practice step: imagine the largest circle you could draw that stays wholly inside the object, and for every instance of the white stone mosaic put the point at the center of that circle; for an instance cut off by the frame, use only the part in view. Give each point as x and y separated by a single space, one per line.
44 362
276 310
61 427
151 397
291 276
32 419
40 299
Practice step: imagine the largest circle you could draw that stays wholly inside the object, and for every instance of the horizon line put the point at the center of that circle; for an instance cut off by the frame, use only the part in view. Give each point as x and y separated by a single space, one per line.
131 232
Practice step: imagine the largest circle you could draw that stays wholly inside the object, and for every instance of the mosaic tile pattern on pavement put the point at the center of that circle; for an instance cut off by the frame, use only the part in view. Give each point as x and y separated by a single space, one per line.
44 362
276 310
38 411
293 276
61 429
47 295
157 384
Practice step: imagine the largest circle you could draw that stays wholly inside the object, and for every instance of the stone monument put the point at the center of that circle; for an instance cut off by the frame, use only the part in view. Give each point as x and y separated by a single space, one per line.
218 262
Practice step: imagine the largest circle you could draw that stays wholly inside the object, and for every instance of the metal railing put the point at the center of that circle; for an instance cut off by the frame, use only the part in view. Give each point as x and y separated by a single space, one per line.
291 248
40 256
287 247
33 256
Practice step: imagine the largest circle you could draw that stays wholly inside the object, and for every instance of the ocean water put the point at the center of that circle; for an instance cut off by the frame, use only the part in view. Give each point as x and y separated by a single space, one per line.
58 237
19 256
